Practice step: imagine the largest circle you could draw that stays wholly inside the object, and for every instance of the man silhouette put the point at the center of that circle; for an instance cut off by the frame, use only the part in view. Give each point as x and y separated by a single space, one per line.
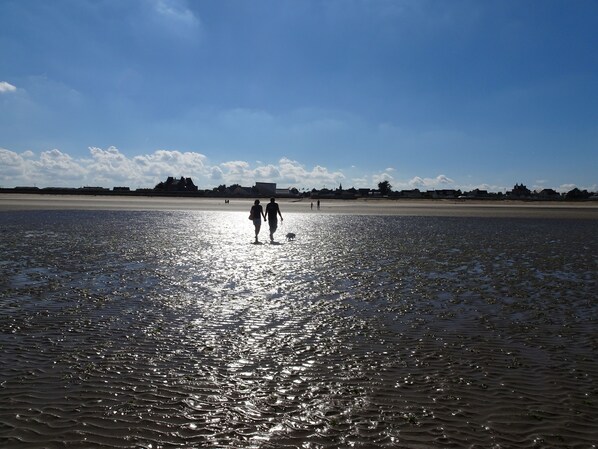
272 210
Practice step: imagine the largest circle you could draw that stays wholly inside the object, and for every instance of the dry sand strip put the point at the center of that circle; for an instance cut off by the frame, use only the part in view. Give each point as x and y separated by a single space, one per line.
440 208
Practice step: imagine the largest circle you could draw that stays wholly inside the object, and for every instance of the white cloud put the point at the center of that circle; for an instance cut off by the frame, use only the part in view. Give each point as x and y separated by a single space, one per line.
267 172
379 177
110 167
6 87
564 188
430 183
156 167
235 172
216 174
11 164
106 167
359 182
417 182
286 173
441 179
8 157
483 186
236 167
292 173
58 165
383 176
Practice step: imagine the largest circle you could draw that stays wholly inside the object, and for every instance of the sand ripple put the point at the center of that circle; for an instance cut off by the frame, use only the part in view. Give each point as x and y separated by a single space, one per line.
168 329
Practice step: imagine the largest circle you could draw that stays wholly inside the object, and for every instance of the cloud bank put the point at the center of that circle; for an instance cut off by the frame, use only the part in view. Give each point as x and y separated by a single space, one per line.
110 168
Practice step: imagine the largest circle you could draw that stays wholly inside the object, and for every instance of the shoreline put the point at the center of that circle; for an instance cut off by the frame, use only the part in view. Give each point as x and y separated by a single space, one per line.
401 207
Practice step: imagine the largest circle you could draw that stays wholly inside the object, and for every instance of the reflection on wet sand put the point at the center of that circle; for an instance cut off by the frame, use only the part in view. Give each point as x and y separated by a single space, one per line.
156 329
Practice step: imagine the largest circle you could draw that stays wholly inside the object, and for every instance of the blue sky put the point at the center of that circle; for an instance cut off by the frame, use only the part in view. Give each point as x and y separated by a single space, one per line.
423 93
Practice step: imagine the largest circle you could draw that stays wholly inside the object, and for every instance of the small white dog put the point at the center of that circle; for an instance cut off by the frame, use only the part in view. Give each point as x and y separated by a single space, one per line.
290 236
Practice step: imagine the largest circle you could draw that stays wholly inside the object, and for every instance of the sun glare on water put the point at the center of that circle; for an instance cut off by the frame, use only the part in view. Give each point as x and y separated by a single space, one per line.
154 329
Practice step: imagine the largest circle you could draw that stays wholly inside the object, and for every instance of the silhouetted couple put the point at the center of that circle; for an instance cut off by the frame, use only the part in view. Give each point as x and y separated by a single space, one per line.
272 214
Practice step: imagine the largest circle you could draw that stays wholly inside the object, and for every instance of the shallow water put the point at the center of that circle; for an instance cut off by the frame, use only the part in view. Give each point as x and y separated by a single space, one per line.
169 329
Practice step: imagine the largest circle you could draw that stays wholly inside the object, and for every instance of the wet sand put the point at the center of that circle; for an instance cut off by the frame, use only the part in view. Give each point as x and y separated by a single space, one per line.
440 208
160 328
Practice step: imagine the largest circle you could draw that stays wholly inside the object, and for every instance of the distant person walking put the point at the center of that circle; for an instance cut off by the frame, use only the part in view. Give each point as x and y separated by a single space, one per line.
272 212
256 214
318 204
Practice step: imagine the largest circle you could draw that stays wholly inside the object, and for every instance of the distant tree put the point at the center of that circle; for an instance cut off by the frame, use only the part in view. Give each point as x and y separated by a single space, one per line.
577 194
384 187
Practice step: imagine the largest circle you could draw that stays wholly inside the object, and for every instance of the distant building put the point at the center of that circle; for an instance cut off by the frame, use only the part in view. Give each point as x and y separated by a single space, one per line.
577 194
476 194
93 189
549 194
265 188
177 185
445 193
414 193
519 191
241 191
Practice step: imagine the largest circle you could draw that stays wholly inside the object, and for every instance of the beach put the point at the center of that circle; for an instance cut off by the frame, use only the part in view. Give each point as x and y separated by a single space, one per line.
405 207
154 322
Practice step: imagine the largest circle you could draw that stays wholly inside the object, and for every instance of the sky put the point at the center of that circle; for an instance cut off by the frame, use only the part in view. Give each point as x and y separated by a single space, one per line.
427 94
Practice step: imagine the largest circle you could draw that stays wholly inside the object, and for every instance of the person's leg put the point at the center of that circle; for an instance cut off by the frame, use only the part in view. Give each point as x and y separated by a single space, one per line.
273 226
